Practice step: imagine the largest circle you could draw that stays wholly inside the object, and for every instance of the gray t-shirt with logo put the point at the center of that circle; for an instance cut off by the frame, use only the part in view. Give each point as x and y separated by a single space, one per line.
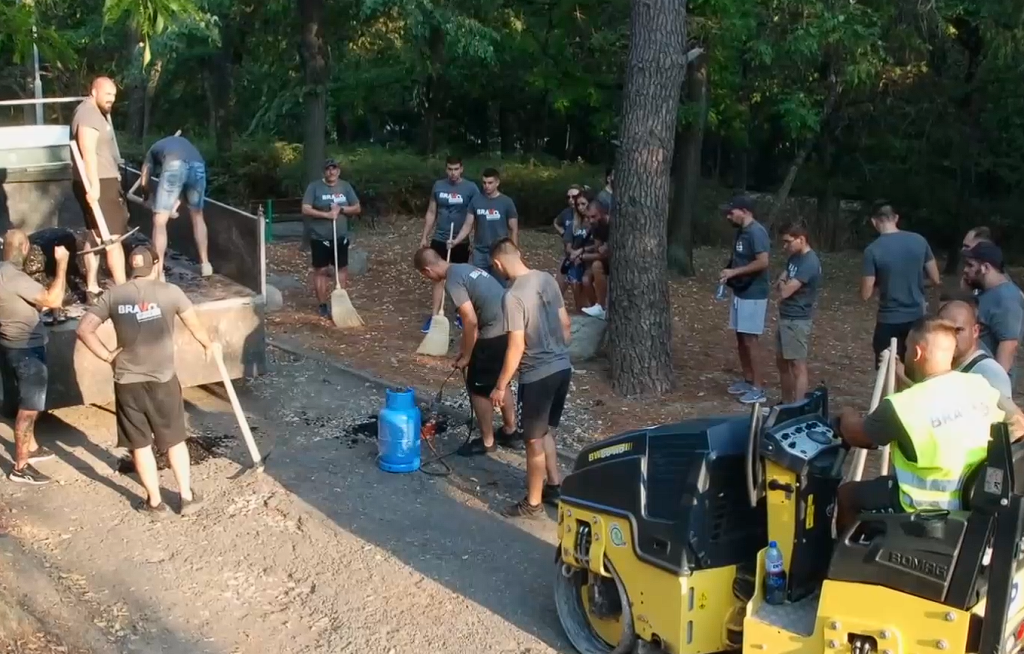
173 148
491 216
532 305
452 205
897 262
751 241
1001 315
806 268
143 313
322 197
108 156
467 283
20 326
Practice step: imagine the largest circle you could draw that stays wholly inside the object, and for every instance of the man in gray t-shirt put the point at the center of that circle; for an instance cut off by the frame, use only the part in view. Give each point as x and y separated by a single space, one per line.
538 329
492 216
896 264
1000 303
329 200
797 289
23 346
478 299
969 356
147 394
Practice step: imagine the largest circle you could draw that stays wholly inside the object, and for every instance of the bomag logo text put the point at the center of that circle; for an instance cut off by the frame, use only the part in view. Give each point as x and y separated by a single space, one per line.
917 564
604 453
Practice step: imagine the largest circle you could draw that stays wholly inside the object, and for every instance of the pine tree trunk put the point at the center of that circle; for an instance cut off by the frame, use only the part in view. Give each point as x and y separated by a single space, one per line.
314 63
686 176
640 331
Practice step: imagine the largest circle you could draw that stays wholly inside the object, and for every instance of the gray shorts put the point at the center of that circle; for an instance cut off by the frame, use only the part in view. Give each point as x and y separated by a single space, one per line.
747 316
793 338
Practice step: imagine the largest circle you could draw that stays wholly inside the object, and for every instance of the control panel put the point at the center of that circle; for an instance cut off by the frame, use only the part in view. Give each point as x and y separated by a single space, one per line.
796 442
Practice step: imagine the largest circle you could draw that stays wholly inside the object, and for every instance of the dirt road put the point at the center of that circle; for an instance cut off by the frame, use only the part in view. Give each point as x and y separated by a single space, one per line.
321 553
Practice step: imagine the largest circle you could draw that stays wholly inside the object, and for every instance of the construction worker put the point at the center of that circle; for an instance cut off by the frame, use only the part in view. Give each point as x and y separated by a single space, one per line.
939 429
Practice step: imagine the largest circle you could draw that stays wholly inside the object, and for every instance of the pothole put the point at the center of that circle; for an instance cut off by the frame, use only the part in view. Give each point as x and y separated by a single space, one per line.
201 449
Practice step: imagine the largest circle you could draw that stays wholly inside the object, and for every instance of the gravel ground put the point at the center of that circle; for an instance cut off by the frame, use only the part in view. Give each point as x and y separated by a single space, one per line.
322 552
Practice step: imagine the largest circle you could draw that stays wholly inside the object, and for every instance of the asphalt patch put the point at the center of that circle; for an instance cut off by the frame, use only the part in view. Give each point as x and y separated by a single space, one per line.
200 450
366 430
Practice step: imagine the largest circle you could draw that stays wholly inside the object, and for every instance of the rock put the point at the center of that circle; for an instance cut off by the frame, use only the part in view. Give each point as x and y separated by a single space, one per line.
274 300
358 262
284 282
588 336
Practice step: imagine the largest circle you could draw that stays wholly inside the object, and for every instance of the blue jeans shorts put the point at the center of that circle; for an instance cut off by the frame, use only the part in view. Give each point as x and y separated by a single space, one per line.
29 367
177 177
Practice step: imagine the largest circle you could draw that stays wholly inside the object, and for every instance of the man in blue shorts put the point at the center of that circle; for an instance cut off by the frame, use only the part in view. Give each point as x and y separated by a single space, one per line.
182 170
23 344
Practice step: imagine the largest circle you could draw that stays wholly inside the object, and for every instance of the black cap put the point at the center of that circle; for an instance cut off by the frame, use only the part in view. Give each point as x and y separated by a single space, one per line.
986 252
330 163
740 203
141 261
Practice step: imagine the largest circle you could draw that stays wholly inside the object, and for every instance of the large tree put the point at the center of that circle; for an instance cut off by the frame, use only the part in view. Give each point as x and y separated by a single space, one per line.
640 332
314 54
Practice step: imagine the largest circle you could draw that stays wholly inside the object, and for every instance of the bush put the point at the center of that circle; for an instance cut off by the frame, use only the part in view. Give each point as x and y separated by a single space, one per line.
388 181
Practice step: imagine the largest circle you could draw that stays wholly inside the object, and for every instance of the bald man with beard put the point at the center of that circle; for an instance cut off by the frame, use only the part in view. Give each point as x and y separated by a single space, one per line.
93 132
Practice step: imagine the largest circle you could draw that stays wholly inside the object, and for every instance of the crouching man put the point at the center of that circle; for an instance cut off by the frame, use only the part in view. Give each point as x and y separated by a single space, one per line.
538 349
147 395
478 297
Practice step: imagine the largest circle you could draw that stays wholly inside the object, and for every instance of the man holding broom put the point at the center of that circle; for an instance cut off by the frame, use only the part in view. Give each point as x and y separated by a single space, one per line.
330 198
478 298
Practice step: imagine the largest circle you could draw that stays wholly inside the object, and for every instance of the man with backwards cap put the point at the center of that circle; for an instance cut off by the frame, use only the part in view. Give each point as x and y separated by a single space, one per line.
1000 303
149 407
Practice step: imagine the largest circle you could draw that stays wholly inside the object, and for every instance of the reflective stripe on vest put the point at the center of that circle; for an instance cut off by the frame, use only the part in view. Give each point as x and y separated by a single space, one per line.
948 419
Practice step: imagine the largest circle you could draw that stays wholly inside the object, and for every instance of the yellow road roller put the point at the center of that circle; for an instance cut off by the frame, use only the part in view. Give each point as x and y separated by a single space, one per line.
663 533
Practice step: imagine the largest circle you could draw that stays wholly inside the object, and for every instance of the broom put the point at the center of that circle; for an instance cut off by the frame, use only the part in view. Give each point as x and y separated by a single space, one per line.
342 312
435 343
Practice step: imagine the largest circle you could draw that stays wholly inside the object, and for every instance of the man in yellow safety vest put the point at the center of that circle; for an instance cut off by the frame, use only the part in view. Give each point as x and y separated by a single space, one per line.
939 430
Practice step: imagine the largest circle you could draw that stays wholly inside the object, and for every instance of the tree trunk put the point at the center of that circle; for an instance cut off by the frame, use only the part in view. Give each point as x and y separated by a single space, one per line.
136 91
314 63
223 107
432 91
152 80
687 173
640 331
211 106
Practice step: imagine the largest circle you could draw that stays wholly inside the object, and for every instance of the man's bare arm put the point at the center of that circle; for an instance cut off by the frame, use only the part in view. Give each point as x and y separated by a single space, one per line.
352 209
789 287
931 269
563 316
53 297
194 325
759 263
87 327
469 328
513 230
308 210
468 225
87 138
867 288
513 355
428 221
1005 353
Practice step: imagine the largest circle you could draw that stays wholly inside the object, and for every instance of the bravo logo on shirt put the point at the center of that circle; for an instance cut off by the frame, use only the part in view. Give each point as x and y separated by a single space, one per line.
334 198
450 198
143 312
488 214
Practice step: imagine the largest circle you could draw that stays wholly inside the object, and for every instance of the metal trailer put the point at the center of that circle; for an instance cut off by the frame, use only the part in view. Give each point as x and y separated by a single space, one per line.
36 193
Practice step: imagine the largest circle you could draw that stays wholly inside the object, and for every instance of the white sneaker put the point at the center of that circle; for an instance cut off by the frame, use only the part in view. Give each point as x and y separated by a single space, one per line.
206 269
596 311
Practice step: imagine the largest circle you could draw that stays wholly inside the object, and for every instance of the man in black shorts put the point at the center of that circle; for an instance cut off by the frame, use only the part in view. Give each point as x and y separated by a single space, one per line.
23 344
147 394
92 130
538 348
478 298
446 213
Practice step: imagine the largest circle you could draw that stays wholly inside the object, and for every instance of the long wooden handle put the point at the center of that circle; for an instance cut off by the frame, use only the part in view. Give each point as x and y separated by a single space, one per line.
860 455
890 388
448 259
101 223
243 424
337 275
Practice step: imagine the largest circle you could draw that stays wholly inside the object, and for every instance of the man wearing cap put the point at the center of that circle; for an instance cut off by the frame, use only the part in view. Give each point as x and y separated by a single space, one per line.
747 276
147 394
330 198
1000 304
895 263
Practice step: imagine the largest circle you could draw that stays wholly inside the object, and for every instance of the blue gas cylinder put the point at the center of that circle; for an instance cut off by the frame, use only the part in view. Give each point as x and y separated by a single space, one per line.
398 432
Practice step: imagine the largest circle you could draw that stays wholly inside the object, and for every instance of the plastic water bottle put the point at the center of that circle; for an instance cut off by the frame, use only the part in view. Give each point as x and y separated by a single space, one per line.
721 293
775 575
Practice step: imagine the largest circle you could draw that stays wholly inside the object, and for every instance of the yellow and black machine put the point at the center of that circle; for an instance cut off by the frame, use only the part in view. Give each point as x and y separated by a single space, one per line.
663 532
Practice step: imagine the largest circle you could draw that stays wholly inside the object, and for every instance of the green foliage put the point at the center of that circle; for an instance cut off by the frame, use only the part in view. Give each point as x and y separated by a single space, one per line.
151 18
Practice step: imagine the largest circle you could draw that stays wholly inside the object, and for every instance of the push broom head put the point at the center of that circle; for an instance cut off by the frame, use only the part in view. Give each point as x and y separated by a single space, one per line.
435 343
342 312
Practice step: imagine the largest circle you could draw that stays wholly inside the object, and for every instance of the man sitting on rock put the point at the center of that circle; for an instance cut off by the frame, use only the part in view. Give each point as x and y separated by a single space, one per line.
597 258
478 298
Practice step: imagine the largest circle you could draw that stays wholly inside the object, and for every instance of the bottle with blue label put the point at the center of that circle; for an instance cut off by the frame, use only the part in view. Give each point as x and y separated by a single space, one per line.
775 575
721 293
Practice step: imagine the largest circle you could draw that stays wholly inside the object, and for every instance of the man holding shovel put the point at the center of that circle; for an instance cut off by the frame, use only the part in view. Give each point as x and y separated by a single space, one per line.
148 402
92 131
330 198
478 298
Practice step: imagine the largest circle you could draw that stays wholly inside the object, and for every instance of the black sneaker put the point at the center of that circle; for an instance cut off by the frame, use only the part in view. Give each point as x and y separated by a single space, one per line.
513 441
29 475
523 509
188 507
475 447
159 512
324 311
40 454
552 493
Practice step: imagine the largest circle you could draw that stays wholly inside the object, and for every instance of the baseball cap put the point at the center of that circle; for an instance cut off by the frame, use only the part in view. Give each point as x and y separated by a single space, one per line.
330 163
141 261
739 202
986 252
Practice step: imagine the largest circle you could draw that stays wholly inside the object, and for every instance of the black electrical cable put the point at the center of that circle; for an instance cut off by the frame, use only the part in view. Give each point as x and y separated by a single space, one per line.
435 411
